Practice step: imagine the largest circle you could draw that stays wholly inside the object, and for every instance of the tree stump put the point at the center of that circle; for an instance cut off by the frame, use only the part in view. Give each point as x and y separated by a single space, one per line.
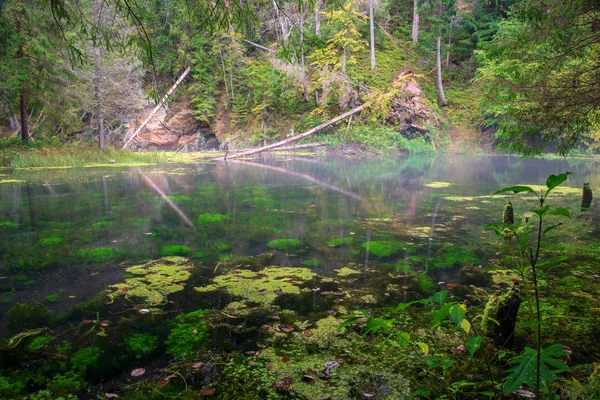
500 317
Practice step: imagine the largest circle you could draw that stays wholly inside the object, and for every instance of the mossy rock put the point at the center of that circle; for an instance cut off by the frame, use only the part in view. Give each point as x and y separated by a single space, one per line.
261 287
101 254
153 281
386 248
174 250
285 244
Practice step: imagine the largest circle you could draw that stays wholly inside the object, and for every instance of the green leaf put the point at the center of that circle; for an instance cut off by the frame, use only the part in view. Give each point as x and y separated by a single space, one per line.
523 242
552 260
524 368
541 211
516 189
466 326
424 347
555 180
402 306
422 393
560 211
473 344
550 228
457 313
403 338
440 297
438 316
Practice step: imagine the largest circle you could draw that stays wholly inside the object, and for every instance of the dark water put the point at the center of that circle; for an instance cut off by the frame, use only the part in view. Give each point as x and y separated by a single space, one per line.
51 221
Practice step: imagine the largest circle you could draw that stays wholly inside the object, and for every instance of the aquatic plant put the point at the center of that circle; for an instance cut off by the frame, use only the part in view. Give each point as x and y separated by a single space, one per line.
313 263
141 344
52 298
174 250
285 244
101 254
86 358
10 389
31 315
385 248
65 384
221 246
51 240
454 257
153 281
209 219
188 333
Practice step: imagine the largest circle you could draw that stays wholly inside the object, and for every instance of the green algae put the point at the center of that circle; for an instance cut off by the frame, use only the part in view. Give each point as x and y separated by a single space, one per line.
313 263
285 244
101 254
152 281
261 287
210 219
386 248
174 250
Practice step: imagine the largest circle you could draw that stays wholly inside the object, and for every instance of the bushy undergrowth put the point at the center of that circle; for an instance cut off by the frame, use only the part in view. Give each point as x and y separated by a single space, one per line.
386 140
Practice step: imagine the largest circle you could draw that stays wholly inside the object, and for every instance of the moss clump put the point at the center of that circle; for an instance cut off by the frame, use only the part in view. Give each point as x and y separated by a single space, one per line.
500 317
260 287
326 333
209 219
174 250
8 224
86 358
62 385
455 257
339 242
385 248
101 254
313 263
141 344
153 281
29 316
221 246
189 332
51 240
285 244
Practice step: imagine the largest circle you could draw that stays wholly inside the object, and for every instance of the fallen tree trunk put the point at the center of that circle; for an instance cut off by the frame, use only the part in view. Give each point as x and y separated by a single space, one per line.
299 147
297 137
158 106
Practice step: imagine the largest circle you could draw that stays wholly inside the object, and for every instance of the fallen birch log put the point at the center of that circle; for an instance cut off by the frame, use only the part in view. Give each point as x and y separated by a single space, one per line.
158 106
299 147
297 137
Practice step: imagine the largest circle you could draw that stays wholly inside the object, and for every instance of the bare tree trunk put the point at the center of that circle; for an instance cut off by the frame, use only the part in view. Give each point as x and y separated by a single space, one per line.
98 75
284 30
304 84
318 18
415 24
439 70
24 119
372 33
449 43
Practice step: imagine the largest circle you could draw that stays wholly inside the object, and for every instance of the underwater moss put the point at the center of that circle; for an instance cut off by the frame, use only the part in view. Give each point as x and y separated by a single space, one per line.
62 385
285 244
141 344
153 281
101 254
209 218
221 246
313 263
454 257
188 333
260 287
385 248
51 240
174 250
86 358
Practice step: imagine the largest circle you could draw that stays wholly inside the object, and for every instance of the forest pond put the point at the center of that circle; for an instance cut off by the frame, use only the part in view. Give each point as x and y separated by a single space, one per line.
232 279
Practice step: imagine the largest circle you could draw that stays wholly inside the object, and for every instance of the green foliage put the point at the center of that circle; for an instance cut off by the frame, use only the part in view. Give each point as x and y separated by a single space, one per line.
524 369
141 344
210 219
174 250
385 139
247 381
11 390
285 244
52 298
86 358
189 332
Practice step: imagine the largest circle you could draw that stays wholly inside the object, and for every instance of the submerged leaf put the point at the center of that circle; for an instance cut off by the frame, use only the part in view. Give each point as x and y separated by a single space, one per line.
138 372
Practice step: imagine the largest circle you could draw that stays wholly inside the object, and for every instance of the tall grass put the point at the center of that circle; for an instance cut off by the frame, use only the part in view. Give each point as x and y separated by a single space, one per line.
18 156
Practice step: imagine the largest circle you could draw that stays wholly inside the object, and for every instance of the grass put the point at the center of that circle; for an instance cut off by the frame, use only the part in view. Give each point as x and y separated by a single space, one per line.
18 155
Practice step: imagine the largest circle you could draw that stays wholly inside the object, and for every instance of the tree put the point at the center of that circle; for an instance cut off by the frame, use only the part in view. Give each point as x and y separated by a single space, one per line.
415 22
542 75
443 11
372 34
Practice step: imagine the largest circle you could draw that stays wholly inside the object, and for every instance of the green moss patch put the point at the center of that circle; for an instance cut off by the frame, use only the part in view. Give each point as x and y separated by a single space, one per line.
339 242
285 244
101 254
51 240
454 257
385 248
209 219
174 250
313 263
